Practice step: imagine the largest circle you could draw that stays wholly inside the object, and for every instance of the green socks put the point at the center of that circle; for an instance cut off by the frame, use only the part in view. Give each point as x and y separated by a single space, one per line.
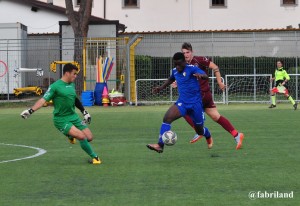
291 99
273 98
85 145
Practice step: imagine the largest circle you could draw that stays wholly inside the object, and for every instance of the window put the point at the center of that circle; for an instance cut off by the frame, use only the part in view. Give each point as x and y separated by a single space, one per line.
289 2
131 3
78 2
218 3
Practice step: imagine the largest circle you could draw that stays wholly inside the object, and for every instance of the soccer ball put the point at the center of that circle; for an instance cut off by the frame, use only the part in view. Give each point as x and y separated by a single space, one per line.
169 138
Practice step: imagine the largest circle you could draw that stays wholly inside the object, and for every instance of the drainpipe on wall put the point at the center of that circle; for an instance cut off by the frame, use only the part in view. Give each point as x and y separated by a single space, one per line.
104 9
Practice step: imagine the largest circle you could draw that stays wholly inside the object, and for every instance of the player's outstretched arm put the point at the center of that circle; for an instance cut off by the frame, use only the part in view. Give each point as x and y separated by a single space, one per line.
174 85
155 90
217 74
200 76
86 116
26 113
158 89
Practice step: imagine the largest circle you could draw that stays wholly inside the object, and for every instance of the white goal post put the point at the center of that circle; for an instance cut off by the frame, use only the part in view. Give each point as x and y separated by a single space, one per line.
144 96
248 88
241 88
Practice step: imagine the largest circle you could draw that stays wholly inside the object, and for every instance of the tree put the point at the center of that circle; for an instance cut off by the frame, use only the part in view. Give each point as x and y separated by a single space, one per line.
80 24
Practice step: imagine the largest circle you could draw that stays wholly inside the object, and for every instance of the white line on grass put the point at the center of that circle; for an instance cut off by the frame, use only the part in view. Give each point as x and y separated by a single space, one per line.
40 152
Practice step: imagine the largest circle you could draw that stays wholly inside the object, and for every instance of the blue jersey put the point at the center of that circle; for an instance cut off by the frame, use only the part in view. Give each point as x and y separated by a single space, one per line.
187 84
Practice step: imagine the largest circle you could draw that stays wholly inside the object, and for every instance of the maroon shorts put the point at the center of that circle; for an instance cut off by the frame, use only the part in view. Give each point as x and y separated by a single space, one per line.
207 100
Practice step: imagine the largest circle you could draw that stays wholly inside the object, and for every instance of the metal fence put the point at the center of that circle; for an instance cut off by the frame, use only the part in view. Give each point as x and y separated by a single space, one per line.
236 53
111 53
24 58
25 64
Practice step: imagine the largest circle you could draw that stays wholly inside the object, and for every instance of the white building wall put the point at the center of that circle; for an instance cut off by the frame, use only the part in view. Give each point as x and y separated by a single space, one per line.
97 8
172 15
41 21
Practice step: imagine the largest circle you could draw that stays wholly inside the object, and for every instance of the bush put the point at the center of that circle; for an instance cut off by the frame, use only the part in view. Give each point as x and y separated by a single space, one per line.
159 67
143 67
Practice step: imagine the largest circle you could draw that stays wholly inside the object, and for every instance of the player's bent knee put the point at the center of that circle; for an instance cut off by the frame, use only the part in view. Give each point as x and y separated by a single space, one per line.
215 116
88 134
80 137
213 113
89 139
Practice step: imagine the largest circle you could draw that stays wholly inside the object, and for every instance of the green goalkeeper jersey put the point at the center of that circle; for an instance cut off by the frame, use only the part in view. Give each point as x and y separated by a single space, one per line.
63 96
281 74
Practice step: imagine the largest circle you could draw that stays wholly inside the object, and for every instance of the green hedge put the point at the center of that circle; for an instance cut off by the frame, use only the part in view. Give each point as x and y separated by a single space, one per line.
148 67
143 65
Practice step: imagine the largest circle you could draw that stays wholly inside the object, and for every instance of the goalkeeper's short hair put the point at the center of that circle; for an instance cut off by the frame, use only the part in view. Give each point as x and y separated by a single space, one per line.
69 68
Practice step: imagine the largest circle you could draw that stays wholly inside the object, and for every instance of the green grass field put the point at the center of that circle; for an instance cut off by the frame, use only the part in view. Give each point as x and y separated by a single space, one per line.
185 174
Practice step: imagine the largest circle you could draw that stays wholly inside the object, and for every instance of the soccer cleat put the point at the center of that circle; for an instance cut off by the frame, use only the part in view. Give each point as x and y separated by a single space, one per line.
196 138
272 106
295 106
210 142
155 147
239 140
95 161
72 140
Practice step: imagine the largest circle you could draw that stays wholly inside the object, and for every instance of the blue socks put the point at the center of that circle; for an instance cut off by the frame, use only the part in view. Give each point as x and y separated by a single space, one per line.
164 127
206 133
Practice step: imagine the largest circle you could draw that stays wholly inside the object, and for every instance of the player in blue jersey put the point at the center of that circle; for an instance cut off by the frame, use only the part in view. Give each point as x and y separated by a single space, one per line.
189 101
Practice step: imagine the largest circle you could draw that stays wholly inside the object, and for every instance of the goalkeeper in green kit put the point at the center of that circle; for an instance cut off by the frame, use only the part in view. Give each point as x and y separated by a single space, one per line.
66 120
281 78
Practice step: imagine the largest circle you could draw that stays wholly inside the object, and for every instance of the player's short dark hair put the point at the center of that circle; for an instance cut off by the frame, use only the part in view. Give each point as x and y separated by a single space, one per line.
69 68
179 56
187 46
280 60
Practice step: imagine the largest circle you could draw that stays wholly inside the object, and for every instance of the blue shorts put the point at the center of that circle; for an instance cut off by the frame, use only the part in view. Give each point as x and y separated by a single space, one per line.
194 110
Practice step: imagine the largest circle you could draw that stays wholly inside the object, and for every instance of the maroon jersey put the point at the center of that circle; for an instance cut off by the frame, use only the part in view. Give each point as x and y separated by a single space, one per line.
202 63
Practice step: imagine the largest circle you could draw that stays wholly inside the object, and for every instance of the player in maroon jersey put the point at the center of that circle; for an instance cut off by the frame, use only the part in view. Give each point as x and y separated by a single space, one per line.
209 106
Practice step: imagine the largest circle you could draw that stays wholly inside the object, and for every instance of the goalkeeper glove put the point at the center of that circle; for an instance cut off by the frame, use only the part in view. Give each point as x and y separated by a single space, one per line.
26 113
87 117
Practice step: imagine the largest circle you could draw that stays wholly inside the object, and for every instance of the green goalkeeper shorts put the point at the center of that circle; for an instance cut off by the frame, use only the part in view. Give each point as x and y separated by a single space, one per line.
64 124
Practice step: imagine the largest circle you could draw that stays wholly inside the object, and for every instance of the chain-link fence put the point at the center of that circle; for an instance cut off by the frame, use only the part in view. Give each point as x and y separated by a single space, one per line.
25 64
236 53
111 53
28 62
